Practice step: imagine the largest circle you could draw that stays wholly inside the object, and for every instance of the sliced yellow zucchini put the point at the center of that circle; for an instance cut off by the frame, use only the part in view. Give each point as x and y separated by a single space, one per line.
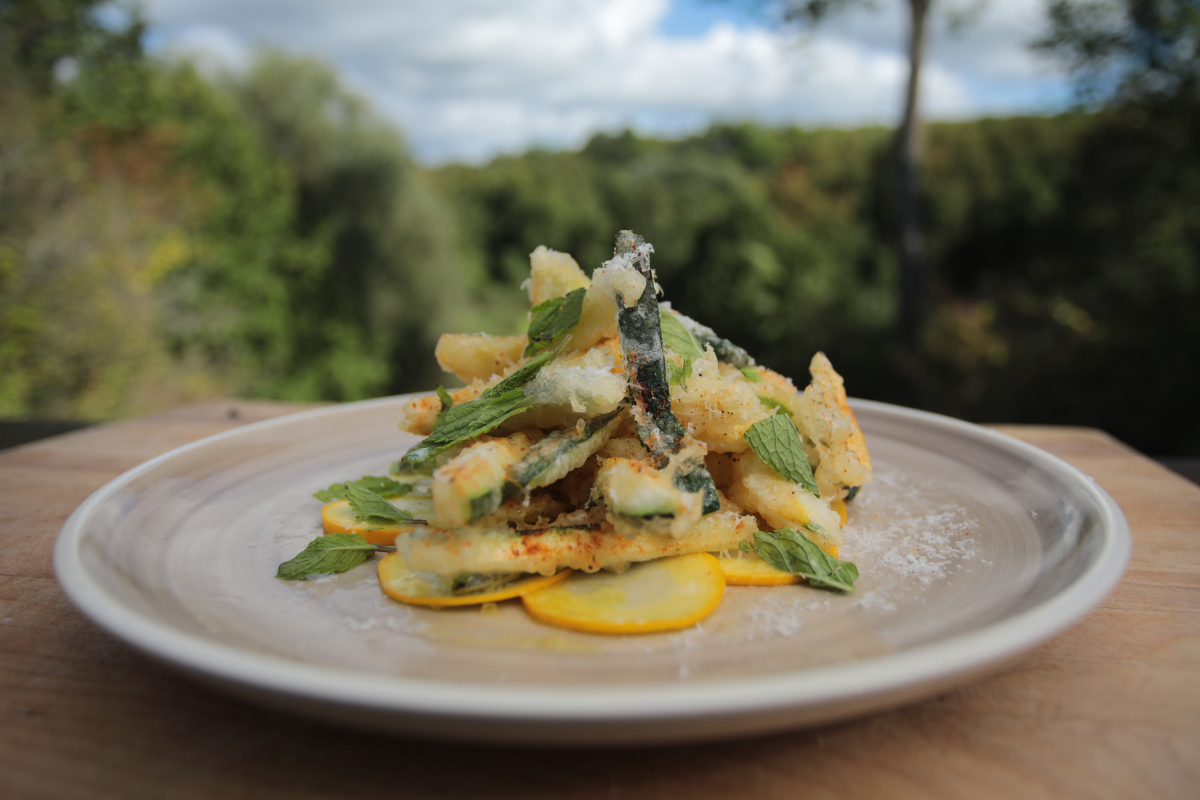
840 507
662 595
747 569
428 589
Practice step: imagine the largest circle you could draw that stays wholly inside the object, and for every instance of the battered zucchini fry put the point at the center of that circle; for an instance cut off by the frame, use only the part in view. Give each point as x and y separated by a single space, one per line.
497 550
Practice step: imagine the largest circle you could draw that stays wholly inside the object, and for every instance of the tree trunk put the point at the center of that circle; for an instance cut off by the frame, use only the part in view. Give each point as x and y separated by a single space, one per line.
913 279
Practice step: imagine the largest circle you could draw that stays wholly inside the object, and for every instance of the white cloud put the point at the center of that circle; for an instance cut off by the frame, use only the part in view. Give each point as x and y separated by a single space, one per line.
466 79
210 47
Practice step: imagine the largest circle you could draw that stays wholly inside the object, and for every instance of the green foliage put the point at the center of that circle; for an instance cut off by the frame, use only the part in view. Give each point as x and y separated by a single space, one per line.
264 236
369 277
38 35
1126 49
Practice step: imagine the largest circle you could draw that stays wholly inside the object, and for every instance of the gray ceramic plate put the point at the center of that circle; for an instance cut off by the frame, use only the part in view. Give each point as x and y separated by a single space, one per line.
973 548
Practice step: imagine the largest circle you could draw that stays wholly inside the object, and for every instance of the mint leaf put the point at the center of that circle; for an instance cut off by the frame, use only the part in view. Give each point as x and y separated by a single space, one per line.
476 417
677 338
771 402
523 375
776 441
751 374
791 551
334 552
370 507
552 319
381 485
466 421
678 376
447 404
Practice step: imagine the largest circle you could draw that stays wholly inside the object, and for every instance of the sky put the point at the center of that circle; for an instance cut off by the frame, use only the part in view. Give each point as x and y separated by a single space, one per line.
466 80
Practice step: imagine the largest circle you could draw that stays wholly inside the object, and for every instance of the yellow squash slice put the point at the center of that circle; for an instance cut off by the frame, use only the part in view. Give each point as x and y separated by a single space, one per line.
430 589
338 517
750 570
840 507
662 595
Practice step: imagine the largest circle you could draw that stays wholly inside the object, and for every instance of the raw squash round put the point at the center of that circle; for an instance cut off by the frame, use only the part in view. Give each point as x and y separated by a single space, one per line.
430 589
661 595
750 570
840 507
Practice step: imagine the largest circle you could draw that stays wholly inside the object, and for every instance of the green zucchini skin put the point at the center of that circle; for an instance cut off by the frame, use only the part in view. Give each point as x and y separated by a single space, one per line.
694 477
556 452
491 499
475 482
640 330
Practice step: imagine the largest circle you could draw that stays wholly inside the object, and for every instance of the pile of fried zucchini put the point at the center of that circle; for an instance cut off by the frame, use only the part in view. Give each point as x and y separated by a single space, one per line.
615 432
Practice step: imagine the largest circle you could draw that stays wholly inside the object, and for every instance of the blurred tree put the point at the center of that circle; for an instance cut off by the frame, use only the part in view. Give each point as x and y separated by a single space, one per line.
1125 263
166 236
43 36
914 279
365 317
87 228
1126 49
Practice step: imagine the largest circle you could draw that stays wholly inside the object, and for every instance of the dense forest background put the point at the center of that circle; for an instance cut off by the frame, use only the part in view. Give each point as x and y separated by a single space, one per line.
166 236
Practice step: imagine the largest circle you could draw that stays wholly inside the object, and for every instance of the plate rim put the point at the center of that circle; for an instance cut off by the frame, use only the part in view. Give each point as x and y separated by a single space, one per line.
963 654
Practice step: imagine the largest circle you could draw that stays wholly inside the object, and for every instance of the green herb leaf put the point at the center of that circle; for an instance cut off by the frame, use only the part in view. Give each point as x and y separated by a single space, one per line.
751 374
552 319
476 417
677 338
678 376
523 375
776 441
370 507
771 402
466 421
447 404
334 552
381 485
791 551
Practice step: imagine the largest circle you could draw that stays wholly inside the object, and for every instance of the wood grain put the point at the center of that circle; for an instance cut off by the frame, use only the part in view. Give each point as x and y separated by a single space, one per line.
1109 709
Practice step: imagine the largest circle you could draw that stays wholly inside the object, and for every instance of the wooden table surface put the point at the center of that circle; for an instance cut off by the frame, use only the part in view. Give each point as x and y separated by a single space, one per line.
1111 708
